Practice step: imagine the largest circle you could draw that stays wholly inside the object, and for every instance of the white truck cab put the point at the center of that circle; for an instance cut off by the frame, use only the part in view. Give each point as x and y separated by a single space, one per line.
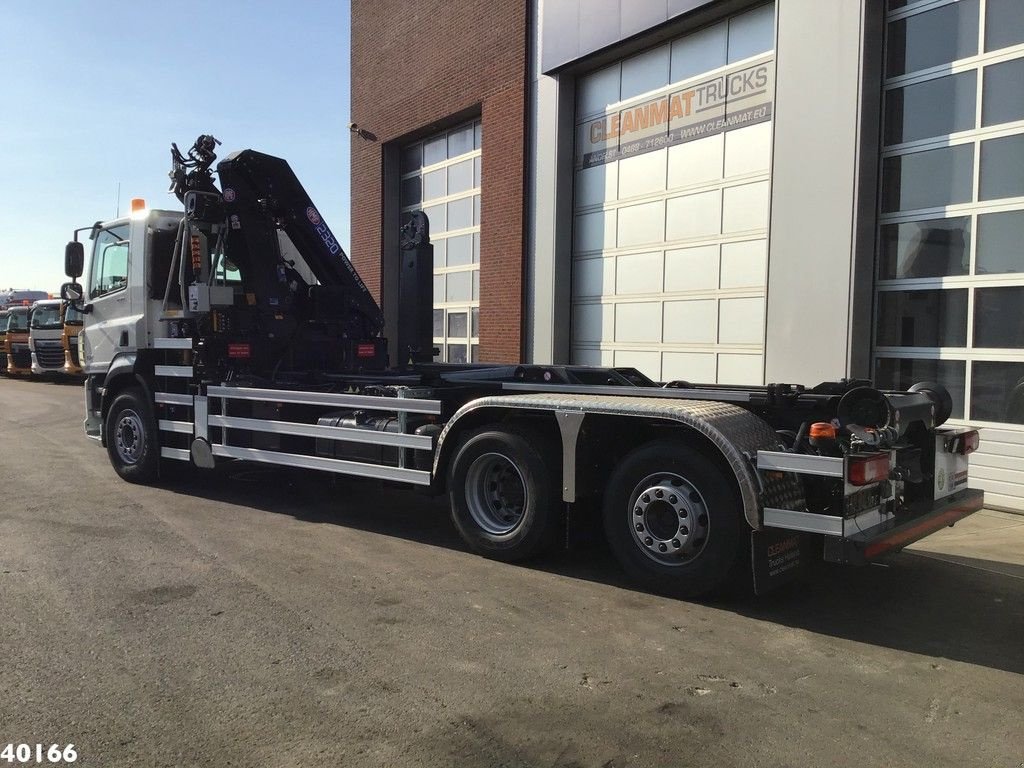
45 337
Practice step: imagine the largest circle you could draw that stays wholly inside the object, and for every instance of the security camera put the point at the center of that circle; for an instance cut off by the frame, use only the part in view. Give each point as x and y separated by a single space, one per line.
353 127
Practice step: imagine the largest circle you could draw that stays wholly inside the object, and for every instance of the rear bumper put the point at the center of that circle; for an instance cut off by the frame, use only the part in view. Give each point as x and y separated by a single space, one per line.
893 535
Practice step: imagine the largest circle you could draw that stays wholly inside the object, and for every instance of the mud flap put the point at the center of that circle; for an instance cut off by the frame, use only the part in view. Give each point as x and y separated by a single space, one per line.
777 557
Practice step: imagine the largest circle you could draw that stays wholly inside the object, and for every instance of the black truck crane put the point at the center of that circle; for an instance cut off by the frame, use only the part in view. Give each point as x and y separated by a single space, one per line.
239 330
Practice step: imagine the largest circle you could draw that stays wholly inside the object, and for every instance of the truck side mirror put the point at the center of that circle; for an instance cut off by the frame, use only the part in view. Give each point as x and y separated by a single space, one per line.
71 292
74 259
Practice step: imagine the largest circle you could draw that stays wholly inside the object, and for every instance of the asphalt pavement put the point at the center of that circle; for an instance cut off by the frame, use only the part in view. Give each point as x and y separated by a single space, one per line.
265 617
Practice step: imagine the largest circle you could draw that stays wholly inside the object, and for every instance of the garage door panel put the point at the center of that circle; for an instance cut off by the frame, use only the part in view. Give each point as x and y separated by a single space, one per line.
695 367
641 224
691 322
594 230
647 362
596 185
748 150
745 208
741 321
744 264
638 273
639 322
593 277
645 72
740 369
643 174
696 162
693 216
593 322
691 269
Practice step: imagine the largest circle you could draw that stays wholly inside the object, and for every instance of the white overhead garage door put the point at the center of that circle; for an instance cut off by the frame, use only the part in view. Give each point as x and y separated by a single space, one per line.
671 206
950 278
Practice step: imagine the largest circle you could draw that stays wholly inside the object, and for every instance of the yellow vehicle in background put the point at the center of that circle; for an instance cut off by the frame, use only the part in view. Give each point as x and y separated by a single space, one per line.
3 340
19 356
72 325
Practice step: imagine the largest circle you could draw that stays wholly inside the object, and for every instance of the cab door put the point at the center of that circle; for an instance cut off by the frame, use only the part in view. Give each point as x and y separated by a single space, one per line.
108 324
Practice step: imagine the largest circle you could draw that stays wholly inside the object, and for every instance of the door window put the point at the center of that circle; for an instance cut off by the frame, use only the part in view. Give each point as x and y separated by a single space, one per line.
109 262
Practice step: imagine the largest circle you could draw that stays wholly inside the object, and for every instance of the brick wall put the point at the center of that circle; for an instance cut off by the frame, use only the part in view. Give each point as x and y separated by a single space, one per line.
415 65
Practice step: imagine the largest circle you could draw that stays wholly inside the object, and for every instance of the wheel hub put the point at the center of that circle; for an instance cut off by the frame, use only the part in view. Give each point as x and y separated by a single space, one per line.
496 493
668 518
128 437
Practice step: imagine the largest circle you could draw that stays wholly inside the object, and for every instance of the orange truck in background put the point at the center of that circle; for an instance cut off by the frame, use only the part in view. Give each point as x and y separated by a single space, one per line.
72 325
3 340
19 356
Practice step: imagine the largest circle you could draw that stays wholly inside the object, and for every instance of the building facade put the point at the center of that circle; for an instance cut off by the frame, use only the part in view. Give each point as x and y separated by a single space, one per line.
738 192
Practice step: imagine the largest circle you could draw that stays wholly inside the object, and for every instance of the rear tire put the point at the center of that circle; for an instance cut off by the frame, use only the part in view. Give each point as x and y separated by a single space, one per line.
674 520
132 439
505 493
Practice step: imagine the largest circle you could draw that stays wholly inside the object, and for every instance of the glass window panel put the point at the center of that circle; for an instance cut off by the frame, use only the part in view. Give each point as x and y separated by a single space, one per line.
460 177
930 179
439 323
998 319
896 4
411 158
934 37
436 217
699 52
474 328
460 141
476 171
438 358
902 373
478 135
1004 23
457 325
476 209
934 318
997 392
476 248
460 213
460 250
1002 167
434 151
456 353
438 289
476 284
439 252
932 248
1000 243
752 33
459 286
434 184
911 113
1002 99
476 354
410 191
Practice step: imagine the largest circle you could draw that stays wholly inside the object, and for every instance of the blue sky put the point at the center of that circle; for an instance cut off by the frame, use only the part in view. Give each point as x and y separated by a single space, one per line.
93 93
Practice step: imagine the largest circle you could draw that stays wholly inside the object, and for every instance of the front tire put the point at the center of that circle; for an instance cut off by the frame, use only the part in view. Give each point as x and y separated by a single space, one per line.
673 520
505 493
132 439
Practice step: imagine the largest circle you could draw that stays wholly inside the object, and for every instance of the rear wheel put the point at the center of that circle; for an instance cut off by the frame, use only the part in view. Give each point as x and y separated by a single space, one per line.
131 436
505 498
673 520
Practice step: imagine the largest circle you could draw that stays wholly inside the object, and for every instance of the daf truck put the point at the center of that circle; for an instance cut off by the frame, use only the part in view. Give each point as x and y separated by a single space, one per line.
45 339
238 330
19 356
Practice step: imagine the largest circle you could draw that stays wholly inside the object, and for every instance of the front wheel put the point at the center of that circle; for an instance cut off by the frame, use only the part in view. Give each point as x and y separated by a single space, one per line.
673 520
131 433
505 493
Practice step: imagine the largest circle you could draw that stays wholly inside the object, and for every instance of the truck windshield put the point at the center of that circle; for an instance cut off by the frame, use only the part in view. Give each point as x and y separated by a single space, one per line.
72 316
46 317
18 320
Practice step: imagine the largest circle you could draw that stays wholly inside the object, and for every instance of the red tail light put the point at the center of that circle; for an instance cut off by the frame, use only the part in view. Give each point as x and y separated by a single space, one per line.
966 443
865 470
